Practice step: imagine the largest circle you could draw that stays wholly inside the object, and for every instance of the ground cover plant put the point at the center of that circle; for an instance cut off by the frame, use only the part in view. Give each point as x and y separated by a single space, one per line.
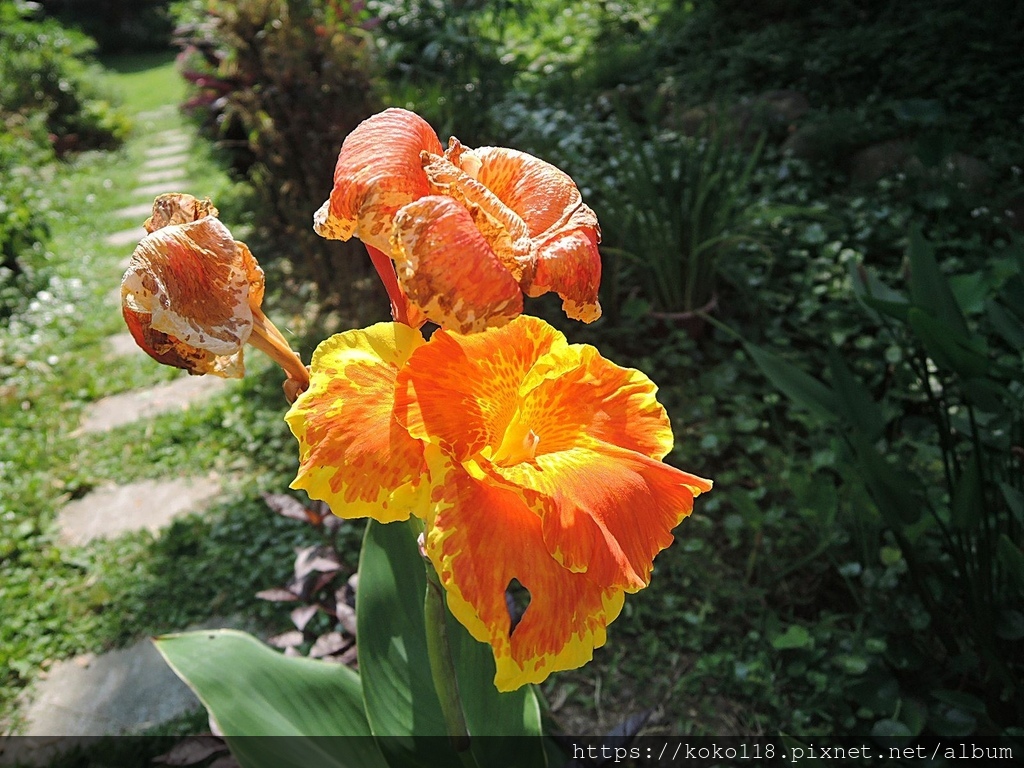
812 594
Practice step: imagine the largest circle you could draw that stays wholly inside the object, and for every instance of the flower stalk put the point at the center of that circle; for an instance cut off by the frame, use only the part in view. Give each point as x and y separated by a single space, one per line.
266 338
442 668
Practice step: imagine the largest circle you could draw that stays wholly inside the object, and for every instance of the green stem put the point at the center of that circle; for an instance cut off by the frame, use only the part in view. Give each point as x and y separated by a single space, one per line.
442 668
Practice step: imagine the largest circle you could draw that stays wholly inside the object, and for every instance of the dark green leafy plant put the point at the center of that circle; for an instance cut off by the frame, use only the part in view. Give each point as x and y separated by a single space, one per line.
934 446
443 59
684 204
44 69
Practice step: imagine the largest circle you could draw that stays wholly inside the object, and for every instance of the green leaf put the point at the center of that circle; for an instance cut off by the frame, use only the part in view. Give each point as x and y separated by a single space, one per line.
401 702
892 729
855 402
1012 560
970 291
896 493
802 388
950 349
929 289
967 506
876 295
252 690
1006 324
1014 500
794 637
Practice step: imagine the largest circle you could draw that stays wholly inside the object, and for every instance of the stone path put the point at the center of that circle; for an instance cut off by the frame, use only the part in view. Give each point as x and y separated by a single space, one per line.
149 504
117 410
125 691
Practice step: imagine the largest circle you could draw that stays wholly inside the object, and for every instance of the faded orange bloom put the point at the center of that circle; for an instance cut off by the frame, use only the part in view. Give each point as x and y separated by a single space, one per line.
192 294
528 458
469 230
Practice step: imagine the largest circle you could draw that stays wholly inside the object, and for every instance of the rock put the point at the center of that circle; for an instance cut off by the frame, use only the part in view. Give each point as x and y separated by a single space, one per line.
112 510
879 160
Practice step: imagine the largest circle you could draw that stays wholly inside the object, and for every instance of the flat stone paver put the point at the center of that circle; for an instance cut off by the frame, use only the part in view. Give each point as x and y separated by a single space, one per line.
121 344
111 510
175 148
171 161
142 211
125 237
170 174
152 190
173 136
116 693
118 410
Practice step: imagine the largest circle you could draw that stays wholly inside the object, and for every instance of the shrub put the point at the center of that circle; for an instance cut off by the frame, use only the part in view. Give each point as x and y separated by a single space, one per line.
279 84
23 228
44 68
443 59
927 448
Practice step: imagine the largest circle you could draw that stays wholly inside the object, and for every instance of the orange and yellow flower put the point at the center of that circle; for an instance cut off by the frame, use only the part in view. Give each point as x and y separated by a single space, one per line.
528 458
192 294
469 231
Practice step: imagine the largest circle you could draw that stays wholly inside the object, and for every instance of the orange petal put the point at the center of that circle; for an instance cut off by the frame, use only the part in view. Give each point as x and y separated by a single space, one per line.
448 270
574 394
353 453
189 295
481 538
378 171
564 232
606 511
575 436
462 391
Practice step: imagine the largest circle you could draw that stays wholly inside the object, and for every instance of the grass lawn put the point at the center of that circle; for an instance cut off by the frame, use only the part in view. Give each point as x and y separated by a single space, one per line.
59 600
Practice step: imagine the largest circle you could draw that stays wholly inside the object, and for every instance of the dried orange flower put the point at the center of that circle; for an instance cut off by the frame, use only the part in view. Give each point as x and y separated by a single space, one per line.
192 294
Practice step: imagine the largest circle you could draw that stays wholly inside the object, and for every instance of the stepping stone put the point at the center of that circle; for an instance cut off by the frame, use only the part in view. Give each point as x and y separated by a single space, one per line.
126 236
121 344
124 408
111 510
171 161
175 148
152 190
142 211
155 114
171 174
117 693
173 136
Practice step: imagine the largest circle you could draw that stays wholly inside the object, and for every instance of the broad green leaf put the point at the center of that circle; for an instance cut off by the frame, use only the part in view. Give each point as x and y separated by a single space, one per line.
1014 500
400 699
399 693
855 402
794 637
802 388
1012 560
251 690
1006 324
876 295
970 291
892 729
967 506
950 349
929 289
895 492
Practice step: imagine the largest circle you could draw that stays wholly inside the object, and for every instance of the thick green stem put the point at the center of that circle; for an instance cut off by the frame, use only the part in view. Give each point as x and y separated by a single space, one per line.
442 667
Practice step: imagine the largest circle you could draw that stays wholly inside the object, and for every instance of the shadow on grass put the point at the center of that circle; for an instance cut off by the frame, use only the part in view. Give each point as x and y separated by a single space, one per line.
133 63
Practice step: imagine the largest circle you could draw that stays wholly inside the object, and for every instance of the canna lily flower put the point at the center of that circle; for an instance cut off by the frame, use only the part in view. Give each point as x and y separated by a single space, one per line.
469 231
192 294
528 458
